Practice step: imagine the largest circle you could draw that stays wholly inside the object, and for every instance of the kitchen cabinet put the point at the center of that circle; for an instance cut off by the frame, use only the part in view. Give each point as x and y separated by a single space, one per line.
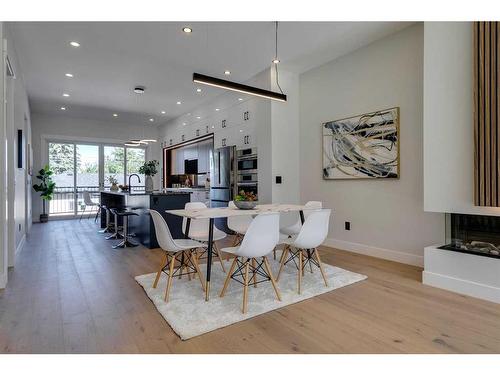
200 196
204 156
179 157
245 136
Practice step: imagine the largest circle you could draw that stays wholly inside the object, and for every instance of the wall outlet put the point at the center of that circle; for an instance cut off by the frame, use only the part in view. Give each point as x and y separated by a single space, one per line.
278 179
347 225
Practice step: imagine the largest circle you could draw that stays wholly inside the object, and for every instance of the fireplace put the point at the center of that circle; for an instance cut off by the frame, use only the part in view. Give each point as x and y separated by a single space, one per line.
473 234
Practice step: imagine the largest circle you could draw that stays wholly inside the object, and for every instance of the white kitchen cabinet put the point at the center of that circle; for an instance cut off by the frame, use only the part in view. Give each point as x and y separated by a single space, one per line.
179 157
200 196
203 156
245 136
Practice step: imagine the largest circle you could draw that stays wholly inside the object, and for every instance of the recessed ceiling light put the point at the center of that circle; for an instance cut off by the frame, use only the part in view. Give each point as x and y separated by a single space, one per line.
276 61
74 44
189 114
179 102
240 99
213 127
151 119
184 123
163 112
217 109
66 95
187 30
198 117
69 75
227 72
139 89
63 108
115 114
198 90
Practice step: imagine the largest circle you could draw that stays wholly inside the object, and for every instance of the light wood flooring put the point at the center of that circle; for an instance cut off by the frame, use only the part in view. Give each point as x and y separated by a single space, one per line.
71 293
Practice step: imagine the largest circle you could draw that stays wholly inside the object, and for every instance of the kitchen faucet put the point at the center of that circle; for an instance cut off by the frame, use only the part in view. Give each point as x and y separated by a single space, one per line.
129 185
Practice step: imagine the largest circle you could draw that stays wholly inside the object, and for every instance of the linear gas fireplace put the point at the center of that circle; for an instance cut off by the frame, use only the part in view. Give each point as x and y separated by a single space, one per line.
473 234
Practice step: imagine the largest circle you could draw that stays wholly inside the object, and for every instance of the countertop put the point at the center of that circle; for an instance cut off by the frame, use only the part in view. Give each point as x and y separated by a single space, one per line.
188 189
141 192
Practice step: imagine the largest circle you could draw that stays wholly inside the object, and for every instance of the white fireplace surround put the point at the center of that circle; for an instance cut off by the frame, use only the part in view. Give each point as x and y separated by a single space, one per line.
473 275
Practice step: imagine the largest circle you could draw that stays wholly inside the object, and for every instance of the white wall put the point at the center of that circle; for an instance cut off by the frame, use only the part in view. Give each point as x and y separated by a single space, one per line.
18 118
387 216
448 119
67 127
3 172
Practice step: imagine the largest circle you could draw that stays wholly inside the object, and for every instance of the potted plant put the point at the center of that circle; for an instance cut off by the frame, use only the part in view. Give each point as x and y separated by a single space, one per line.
46 189
149 169
114 183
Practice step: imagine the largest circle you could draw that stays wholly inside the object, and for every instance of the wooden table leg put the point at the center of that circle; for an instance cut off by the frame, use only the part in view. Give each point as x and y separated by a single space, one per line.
209 259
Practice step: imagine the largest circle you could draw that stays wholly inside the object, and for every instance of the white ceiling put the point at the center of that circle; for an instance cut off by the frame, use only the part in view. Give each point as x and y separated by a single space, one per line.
116 56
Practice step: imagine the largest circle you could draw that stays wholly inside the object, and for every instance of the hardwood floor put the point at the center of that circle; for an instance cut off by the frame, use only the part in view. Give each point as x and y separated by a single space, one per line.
71 293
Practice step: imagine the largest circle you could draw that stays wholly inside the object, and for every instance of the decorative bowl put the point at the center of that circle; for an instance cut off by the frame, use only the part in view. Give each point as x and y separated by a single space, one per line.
246 205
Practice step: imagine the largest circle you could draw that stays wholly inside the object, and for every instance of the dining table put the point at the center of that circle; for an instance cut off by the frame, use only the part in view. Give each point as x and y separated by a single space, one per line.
224 212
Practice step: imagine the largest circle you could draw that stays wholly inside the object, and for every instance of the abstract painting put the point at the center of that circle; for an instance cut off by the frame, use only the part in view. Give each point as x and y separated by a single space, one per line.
365 146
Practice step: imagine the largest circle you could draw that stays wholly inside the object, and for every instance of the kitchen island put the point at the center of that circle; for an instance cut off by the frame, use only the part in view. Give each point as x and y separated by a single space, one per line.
141 202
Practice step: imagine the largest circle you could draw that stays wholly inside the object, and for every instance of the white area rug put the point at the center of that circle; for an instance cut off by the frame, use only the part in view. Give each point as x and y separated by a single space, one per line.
190 315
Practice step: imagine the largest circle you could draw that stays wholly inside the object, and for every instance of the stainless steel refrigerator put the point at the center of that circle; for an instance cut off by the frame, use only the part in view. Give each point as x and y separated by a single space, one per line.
223 178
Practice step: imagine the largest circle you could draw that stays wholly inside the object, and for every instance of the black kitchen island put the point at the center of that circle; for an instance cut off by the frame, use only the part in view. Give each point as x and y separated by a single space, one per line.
141 202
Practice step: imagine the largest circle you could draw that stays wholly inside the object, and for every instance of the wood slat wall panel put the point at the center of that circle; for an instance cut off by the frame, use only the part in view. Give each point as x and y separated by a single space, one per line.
486 114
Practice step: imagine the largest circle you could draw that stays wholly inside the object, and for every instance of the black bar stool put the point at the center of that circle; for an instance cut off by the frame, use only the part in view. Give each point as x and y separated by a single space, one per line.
127 242
116 235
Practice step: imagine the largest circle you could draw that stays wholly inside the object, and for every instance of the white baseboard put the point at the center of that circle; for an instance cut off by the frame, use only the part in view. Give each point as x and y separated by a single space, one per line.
3 280
377 252
21 244
467 287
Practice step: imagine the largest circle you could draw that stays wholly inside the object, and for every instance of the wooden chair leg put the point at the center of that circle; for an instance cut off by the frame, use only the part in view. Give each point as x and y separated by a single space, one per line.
194 259
286 250
228 277
163 264
188 259
268 270
274 253
170 277
245 287
221 261
236 239
320 266
254 266
299 279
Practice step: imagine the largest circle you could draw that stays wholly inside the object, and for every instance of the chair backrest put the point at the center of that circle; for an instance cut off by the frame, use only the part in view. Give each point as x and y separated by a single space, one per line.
237 222
314 231
311 206
163 235
261 237
196 225
86 198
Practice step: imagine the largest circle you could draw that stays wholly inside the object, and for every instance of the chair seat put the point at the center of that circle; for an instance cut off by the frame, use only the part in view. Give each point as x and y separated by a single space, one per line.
286 240
187 244
203 236
292 229
239 228
231 250
126 213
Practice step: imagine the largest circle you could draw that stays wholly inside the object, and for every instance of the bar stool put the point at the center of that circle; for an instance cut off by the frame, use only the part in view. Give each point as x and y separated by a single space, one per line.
109 225
126 236
116 235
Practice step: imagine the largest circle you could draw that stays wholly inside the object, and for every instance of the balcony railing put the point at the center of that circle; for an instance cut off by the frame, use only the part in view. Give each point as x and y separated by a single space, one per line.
64 202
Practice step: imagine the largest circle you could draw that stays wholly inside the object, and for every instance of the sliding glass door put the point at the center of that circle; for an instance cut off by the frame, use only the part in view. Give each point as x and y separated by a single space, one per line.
80 167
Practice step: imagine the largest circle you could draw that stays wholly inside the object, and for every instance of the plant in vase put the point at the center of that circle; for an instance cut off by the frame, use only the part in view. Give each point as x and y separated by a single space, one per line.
149 169
46 189
114 183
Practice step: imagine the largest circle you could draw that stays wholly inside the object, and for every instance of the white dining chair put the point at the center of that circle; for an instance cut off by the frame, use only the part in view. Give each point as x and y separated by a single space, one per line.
198 231
183 250
238 224
89 203
303 249
250 257
294 229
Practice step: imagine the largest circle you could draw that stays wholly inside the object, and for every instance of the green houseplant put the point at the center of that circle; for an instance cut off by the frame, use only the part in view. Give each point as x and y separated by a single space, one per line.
46 189
149 169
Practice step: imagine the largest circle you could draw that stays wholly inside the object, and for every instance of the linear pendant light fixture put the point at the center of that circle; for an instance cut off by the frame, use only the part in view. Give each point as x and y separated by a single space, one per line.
234 86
